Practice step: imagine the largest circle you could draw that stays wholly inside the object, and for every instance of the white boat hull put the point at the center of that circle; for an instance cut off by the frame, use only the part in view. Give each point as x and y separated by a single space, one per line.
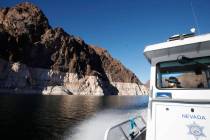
181 121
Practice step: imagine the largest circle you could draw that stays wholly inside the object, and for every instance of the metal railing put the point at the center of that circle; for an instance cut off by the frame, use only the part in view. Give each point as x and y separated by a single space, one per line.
122 131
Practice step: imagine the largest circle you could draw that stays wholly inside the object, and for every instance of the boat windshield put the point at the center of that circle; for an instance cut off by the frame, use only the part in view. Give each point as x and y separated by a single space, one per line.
187 73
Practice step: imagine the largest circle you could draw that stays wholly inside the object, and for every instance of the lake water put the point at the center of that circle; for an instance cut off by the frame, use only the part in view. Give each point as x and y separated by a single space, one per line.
65 117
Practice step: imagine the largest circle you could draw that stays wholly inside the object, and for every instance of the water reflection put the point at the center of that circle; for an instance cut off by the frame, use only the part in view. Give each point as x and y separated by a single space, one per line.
63 117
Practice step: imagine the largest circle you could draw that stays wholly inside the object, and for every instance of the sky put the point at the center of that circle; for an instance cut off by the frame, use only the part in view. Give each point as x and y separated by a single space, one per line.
125 27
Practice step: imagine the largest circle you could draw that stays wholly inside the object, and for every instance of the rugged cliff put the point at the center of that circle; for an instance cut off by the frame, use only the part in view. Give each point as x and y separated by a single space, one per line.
35 57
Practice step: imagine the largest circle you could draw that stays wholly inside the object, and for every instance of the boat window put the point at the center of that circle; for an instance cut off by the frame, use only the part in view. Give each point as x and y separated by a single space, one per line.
193 73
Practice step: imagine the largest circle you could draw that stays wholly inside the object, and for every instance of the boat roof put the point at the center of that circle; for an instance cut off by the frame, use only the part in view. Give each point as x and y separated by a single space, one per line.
200 42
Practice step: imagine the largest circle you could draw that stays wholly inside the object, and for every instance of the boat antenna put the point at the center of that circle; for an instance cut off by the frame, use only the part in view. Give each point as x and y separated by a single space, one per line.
195 17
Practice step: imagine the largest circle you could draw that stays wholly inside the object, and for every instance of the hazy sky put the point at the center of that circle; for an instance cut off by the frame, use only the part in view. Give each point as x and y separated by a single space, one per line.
125 27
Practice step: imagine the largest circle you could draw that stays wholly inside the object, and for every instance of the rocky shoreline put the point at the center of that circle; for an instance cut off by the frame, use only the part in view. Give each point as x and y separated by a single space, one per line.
18 78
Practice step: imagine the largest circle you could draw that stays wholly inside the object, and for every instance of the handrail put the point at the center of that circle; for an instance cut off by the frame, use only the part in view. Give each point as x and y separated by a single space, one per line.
123 133
120 124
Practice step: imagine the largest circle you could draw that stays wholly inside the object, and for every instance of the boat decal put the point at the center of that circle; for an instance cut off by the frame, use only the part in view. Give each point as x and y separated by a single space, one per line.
193 116
196 131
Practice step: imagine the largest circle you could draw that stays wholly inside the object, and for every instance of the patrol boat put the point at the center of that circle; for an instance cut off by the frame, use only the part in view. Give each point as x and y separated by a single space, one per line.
179 102
179 98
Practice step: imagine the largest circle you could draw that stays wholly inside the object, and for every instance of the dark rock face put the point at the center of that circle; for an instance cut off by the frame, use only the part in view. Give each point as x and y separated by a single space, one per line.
71 54
26 37
24 20
114 68
21 26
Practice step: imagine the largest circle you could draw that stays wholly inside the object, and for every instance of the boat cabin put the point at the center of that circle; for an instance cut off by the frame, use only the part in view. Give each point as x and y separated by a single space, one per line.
179 104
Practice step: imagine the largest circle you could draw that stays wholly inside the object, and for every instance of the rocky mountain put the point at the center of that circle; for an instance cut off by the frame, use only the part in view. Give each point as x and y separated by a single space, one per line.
147 84
36 57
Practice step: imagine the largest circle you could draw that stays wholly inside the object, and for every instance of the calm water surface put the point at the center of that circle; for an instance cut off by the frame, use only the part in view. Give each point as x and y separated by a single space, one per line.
65 117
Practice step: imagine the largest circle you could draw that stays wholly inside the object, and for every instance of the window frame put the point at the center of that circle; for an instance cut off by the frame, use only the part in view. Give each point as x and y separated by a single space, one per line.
156 79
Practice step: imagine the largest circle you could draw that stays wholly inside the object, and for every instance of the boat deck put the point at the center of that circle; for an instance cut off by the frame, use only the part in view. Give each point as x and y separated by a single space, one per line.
123 131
